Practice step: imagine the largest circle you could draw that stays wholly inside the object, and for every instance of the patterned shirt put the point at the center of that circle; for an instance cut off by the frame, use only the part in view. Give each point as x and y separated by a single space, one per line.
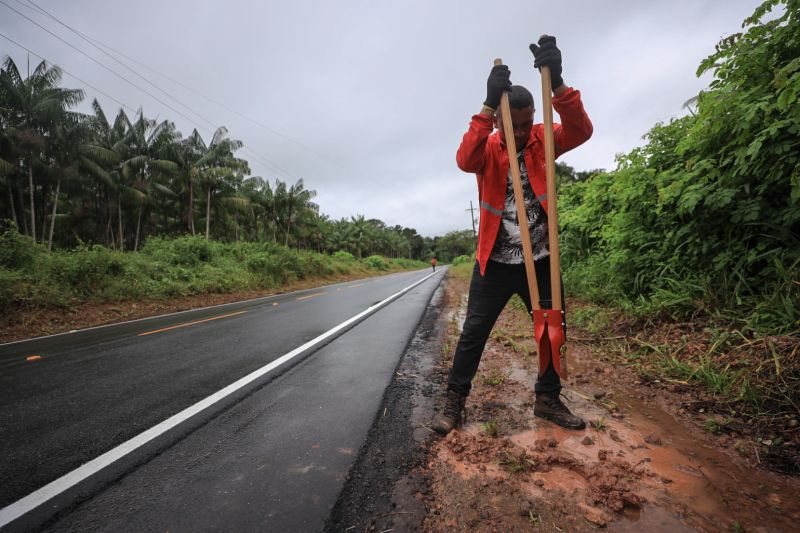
508 244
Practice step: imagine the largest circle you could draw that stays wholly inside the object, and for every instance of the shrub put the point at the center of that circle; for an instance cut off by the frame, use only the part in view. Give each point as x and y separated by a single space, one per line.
163 268
85 270
186 250
344 256
705 217
376 262
17 250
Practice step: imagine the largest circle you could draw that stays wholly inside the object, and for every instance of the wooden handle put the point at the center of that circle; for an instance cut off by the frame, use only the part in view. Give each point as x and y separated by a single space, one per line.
550 172
519 201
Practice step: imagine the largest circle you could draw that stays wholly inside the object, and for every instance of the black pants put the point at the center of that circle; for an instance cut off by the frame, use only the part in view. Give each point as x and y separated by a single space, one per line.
488 295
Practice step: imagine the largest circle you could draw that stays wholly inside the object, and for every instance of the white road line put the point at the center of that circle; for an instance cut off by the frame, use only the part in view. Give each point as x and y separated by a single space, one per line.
182 312
39 499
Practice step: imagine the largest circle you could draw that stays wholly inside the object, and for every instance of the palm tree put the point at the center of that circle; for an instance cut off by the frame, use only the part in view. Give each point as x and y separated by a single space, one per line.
262 201
361 232
103 156
31 106
340 236
296 200
67 138
193 156
195 160
125 157
149 141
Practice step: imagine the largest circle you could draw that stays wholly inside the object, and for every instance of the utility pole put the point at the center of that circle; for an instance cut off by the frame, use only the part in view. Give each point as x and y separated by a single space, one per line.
472 217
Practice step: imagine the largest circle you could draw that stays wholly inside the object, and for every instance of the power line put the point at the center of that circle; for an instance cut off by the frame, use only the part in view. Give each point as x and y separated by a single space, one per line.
154 97
42 10
267 162
263 158
95 43
252 153
67 72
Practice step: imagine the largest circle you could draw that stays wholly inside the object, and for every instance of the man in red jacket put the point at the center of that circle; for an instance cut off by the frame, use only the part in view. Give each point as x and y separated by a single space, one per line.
499 271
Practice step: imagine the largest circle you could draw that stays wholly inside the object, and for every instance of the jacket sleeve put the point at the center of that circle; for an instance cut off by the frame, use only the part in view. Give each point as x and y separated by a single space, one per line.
471 155
575 128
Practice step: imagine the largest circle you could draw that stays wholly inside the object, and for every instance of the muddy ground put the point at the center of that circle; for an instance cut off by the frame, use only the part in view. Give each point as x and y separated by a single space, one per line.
644 463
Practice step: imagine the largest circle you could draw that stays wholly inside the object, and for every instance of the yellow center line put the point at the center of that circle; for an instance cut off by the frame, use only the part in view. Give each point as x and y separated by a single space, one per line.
190 323
33 357
354 286
312 295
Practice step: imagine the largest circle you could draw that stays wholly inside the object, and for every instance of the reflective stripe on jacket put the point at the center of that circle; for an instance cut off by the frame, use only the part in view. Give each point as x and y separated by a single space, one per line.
484 153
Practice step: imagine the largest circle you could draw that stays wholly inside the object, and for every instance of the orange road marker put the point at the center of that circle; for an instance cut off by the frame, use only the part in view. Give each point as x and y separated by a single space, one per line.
190 323
33 357
312 295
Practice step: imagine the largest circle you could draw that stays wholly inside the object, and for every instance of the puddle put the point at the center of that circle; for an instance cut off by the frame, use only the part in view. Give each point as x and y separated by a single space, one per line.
651 518
637 468
702 483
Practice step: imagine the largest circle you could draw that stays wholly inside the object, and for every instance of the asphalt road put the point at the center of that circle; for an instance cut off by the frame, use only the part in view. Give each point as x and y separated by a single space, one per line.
67 399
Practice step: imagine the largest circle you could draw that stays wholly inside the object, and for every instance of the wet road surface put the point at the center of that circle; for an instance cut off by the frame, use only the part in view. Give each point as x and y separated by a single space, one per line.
81 399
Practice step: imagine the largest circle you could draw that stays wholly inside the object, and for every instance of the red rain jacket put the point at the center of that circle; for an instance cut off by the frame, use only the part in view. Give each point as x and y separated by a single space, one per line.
484 153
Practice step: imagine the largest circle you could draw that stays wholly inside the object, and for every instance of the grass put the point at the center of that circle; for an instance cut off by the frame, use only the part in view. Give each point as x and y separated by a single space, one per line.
592 318
718 426
737 527
517 463
599 424
751 379
491 429
508 341
494 377
164 268
462 271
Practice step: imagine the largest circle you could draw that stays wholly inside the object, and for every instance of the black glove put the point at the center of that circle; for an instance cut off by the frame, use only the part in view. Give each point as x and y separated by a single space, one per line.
547 54
499 81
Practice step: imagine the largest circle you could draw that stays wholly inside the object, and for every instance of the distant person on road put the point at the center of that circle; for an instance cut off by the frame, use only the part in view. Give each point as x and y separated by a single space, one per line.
433 264
499 271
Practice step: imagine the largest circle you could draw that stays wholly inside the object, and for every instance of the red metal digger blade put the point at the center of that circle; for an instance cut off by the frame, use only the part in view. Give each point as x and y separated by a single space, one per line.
549 338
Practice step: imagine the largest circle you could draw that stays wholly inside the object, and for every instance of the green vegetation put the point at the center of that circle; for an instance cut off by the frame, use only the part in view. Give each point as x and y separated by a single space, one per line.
68 178
704 219
491 429
463 269
517 463
696 234
494 377
30 276
93 208
599 424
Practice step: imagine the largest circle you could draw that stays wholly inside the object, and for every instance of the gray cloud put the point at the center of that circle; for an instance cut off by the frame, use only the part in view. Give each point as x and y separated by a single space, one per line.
381 92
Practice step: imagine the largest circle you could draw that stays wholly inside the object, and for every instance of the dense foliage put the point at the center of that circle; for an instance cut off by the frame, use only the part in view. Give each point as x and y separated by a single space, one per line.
68 178
705 217
30 276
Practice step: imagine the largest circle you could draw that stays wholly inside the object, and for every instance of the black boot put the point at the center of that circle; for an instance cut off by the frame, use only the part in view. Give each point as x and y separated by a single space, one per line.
550 407
451 415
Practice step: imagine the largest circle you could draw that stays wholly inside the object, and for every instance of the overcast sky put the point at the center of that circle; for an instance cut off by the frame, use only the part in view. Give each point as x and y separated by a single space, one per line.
367 101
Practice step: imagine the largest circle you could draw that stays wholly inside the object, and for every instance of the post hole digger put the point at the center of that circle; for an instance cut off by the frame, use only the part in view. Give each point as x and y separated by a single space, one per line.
516 223
548 324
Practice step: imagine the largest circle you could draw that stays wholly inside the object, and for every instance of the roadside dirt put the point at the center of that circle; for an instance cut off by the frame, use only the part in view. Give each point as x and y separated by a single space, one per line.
26 323
643 464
